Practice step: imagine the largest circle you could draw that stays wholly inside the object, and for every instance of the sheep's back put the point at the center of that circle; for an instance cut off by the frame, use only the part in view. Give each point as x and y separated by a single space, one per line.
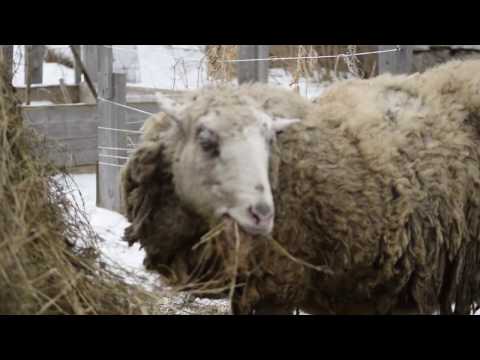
381 183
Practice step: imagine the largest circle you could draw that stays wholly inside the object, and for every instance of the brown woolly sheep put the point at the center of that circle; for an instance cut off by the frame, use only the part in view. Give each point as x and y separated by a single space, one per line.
379 183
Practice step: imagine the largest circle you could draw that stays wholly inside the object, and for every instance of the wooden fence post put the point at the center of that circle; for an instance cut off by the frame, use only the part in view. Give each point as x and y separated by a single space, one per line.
34 56
400 62
112 87
253 71
90 55
6 58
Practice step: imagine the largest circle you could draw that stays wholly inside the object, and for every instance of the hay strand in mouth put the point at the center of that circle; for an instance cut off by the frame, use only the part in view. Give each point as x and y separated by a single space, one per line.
235 265
210 235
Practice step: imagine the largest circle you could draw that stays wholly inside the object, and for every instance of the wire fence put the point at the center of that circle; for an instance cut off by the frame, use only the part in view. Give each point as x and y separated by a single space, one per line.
154 67
121 153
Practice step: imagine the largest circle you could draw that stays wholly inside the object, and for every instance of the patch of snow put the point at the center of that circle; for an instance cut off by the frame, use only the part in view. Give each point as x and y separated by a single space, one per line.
116 253
109 226
178 67
39 103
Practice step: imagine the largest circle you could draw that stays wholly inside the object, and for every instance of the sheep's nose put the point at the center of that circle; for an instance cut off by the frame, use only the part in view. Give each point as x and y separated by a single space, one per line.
262 212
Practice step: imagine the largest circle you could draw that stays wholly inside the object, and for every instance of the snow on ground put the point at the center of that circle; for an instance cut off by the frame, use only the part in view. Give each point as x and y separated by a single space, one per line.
109 226
309 88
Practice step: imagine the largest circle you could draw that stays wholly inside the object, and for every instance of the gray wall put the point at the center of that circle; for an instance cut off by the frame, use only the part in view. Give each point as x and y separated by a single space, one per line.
71 130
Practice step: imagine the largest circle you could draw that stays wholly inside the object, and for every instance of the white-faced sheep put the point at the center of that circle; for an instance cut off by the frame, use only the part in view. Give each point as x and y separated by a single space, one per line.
379 183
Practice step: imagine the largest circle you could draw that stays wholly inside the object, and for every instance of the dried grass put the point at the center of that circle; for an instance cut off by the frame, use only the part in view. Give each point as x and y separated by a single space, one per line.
49 260
313 69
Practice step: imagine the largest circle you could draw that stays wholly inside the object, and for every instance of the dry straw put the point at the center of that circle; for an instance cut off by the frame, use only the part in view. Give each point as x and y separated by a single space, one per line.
49 261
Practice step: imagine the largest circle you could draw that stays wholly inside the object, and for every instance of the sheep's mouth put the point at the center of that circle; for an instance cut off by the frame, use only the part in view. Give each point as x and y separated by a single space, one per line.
249 229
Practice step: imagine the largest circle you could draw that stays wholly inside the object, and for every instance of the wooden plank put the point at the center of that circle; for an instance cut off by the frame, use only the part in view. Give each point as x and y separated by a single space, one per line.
400 62
110 87
6 57
253 71
77 64
112 117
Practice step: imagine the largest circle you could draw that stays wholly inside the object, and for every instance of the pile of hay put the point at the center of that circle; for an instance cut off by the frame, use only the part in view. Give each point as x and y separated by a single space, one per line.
48 256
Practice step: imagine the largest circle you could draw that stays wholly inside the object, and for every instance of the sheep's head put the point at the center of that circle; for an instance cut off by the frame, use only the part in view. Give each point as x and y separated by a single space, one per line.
221 161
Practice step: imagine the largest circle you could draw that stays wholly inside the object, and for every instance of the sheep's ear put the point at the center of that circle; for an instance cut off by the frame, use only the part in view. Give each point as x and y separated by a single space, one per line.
277 124
171 108
280 124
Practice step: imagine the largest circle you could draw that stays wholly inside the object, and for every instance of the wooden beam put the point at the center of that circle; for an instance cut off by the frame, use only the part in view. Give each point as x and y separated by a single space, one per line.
400 62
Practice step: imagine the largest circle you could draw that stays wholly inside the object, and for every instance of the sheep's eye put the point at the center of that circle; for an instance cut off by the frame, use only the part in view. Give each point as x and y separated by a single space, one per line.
208 141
